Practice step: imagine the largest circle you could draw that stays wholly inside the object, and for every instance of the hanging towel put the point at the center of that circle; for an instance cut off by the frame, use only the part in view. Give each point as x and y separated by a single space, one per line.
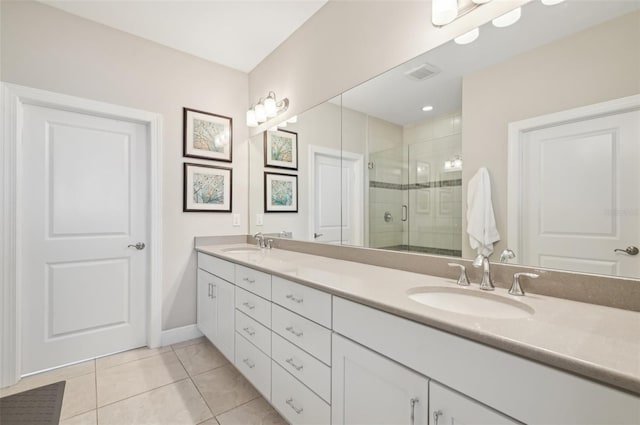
481 222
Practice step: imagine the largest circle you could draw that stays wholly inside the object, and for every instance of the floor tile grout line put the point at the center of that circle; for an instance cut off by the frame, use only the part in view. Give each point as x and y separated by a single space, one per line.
227 363
144 392
239 405
127 362
206 403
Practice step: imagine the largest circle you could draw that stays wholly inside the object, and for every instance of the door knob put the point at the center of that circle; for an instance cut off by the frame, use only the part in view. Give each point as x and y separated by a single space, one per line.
630 250
137 246
317 235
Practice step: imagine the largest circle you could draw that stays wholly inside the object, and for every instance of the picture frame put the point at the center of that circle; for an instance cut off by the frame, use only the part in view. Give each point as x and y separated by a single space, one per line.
207 135
207 188
281 149
280 193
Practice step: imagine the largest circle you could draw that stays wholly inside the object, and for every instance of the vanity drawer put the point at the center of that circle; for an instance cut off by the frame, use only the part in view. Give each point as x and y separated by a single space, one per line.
304 333
254 365
309 370
253 332
254 281
216 266
297 403
254 306
307 302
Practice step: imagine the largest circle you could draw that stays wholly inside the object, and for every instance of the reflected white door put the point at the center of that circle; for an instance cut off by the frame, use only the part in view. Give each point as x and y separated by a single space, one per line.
338 200
84 199
581 200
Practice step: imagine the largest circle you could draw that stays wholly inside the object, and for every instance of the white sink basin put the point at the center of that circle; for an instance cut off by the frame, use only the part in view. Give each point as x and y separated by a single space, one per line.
470 301
240 250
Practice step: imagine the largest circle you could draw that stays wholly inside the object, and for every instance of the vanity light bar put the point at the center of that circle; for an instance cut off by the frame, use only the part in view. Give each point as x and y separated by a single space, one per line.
266 108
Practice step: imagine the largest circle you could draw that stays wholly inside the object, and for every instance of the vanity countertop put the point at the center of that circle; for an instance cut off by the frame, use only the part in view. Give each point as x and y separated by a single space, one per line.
601 343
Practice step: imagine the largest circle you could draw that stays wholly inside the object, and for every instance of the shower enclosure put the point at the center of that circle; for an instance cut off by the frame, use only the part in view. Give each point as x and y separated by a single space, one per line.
415 197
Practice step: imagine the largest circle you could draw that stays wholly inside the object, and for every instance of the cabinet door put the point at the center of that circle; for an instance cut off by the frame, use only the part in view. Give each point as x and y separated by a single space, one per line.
206 314
370 389
451 408
225 307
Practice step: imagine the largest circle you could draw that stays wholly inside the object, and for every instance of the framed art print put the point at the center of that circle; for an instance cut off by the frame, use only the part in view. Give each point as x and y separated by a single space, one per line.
207 135
280 192
207 188
281 149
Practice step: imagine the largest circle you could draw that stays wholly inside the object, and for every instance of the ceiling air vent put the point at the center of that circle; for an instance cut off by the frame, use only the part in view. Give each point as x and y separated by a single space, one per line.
422 72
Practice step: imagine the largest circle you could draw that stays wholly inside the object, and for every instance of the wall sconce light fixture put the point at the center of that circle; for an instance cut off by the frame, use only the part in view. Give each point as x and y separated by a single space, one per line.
453 164
266 108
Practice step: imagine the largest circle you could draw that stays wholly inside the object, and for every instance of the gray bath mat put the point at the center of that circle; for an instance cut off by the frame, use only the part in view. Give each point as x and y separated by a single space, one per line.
38 406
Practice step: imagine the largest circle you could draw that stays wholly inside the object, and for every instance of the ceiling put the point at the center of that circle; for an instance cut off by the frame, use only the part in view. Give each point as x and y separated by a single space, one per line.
396 98
235 33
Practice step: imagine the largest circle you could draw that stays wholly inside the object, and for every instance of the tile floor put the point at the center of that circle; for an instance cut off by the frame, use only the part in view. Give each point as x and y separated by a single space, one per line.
186 383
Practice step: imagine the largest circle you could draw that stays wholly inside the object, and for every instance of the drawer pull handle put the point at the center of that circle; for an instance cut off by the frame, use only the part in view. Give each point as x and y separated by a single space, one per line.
246 279
293 364
436 416
298 410
295 299
249 331
249 305
210 290
249 363
413 410
293 331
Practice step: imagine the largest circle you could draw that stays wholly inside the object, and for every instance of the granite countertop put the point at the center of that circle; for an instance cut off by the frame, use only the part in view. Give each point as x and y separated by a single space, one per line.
601 343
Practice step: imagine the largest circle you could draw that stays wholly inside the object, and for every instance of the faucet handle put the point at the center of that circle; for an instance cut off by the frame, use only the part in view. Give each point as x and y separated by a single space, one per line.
515 285
269 244
463 279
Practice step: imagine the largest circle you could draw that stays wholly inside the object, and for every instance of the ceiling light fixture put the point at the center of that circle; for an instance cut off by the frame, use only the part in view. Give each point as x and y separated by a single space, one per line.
508 18
468 37
267 108
444 12
551 2
427 108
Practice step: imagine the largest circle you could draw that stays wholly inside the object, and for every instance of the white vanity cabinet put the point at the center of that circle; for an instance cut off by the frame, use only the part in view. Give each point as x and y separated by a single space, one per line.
368 388
215 303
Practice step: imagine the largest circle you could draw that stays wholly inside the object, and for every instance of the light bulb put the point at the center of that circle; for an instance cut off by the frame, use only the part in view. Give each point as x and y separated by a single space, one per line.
261 115
270 105
551 2
507 19
443 11
427 108
293 119
251 118
468 37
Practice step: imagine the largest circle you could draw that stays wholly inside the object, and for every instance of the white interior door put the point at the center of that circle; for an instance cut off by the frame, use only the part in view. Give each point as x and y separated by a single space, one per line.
338 200
580 195
85 199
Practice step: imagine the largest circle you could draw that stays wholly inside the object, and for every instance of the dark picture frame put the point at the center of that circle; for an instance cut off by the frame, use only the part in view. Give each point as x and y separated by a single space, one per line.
207 135
205 191
281 149
280 193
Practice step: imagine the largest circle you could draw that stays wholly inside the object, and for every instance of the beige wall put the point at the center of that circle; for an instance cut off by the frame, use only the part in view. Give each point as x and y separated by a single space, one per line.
45 48
327 56
596 65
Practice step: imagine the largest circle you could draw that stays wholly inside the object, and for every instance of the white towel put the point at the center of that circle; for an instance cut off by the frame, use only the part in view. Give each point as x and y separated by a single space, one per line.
481 222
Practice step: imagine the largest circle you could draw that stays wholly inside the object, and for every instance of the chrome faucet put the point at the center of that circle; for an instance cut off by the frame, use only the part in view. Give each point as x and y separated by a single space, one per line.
507 255
260 239
483 261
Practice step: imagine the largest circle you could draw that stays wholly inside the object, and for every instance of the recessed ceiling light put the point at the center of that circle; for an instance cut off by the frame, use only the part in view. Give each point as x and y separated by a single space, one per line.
427 108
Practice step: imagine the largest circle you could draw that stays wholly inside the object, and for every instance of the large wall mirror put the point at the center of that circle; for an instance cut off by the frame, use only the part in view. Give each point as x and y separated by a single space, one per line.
563 79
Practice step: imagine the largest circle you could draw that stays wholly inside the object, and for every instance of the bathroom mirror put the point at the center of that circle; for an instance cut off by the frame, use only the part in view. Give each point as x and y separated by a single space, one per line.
404 171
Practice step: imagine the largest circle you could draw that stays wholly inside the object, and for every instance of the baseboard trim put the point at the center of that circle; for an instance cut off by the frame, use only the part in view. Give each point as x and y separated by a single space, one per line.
176 335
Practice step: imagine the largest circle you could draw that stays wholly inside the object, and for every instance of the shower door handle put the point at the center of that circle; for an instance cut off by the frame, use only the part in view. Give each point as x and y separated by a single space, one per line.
405 211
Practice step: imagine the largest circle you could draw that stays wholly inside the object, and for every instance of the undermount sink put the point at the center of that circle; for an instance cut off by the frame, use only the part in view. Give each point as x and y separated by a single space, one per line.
470 301
241 250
